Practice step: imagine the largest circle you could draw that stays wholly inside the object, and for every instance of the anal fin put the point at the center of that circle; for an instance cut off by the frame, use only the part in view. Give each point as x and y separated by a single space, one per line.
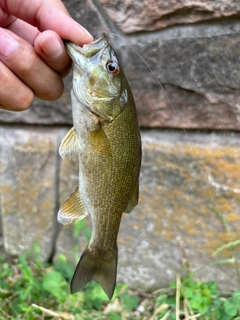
73 209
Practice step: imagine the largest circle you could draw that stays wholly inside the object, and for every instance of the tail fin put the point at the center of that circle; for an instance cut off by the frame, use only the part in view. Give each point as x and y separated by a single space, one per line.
95 268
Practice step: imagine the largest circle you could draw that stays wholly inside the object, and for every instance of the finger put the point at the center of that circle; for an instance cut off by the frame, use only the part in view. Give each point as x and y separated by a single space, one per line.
48 15
20 57
5 18
9 85
51 49
24 30
47 44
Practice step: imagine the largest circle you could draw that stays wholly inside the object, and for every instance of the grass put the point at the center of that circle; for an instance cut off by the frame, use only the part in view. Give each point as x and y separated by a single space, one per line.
30 289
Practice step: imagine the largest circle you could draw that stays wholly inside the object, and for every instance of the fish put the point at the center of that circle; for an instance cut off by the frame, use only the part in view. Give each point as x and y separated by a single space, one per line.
106 138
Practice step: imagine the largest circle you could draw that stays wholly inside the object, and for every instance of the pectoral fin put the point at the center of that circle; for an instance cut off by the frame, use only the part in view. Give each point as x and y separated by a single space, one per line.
107 109
99 143
73 209
134 198
69 145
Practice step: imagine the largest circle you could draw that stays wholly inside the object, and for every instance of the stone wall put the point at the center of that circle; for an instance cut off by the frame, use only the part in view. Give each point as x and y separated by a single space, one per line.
190 179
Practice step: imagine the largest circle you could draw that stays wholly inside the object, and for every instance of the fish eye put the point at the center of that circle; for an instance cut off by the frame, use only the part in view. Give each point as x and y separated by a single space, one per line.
112 67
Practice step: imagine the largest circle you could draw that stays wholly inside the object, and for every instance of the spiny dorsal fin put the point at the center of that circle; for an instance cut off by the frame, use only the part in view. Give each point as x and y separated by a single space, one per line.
69 145
73 209
134 198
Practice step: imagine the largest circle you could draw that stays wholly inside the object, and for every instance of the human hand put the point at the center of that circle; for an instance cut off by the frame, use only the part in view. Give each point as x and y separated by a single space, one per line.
33 58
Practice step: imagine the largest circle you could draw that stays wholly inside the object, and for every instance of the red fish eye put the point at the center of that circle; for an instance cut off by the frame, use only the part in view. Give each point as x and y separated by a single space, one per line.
112 67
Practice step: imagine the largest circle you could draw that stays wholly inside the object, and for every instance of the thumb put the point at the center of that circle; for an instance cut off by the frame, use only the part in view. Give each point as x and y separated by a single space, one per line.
48 15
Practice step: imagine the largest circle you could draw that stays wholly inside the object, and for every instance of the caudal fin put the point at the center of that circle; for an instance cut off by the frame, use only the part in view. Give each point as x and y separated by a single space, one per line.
94 268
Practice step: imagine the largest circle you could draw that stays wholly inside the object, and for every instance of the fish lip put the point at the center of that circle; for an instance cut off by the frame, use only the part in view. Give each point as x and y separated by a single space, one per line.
87 50
97 43
75 52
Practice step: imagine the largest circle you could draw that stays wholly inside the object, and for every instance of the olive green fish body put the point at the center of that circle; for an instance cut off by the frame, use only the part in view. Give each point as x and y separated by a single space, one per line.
106 139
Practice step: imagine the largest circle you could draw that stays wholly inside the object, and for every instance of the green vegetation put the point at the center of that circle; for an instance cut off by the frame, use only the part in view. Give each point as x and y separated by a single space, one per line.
30 290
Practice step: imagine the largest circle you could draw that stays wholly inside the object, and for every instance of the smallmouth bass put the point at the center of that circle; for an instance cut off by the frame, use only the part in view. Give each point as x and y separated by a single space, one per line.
105 137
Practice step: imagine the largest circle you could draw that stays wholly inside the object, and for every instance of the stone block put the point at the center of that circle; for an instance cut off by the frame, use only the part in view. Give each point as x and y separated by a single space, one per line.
200 83
197 66
134 16
88 14
28 193
189 208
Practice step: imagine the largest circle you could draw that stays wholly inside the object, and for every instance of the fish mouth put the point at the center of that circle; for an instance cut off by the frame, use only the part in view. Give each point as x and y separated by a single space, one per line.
79 55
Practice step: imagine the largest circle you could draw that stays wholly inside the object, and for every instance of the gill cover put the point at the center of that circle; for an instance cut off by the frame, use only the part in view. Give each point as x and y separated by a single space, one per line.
97 78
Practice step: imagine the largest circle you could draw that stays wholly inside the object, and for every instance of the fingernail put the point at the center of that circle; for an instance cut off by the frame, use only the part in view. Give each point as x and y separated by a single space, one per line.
87 33
55 50
7 43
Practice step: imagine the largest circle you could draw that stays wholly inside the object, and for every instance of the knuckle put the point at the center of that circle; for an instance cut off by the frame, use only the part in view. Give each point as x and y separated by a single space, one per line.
58 90
14 94
52 90
23 100
26 102
26 64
